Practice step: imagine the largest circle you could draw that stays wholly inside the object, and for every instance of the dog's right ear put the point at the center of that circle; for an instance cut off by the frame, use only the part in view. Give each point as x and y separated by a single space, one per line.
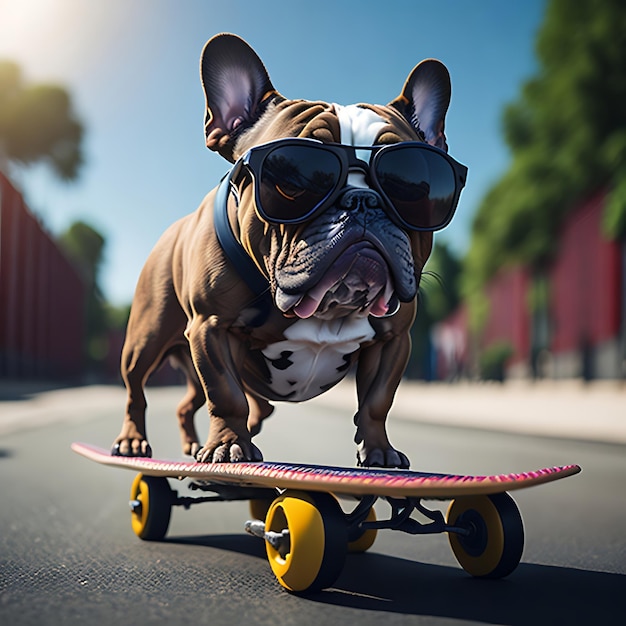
236 85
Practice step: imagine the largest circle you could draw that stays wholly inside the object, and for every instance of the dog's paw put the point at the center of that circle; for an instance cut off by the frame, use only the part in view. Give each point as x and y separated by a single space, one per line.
131 447
237 452
191 448
378 457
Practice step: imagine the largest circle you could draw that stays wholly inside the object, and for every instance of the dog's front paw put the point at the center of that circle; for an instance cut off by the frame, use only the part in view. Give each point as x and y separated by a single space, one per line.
191 448
131 447
379 457
236 452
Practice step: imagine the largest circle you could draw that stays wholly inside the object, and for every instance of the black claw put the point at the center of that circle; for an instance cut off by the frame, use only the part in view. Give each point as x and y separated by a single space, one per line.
377 458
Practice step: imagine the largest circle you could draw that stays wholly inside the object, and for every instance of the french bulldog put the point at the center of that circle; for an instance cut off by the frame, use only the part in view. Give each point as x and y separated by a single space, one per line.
303 262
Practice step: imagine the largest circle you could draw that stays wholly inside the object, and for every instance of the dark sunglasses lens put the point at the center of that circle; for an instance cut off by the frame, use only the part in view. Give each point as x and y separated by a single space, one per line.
295 180
420 185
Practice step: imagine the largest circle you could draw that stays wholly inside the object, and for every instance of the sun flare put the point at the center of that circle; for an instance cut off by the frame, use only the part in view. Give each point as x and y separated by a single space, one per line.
56 39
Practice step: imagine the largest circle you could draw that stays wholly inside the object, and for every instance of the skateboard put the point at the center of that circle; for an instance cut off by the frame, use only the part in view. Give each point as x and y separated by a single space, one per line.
296 509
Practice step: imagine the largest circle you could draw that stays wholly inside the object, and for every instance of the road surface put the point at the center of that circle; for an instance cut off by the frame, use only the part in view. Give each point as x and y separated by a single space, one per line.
68 555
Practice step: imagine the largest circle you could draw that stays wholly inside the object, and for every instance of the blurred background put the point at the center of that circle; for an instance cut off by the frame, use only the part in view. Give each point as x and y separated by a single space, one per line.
102 147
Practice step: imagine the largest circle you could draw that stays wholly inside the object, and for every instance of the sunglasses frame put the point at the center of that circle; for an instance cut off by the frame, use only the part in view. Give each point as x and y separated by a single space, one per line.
254 158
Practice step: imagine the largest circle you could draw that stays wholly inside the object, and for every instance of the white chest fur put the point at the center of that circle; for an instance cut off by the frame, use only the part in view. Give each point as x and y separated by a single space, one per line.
314 355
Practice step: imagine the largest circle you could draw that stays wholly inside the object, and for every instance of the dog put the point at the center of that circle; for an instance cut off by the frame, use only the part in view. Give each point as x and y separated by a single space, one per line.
303 262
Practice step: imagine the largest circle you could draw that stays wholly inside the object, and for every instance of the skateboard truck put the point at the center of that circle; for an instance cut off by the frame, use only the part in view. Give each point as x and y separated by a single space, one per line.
357 523
401 511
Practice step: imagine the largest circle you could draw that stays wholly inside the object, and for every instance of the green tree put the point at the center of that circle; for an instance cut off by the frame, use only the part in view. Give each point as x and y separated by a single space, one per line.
37 123
567 135
84 246
438 297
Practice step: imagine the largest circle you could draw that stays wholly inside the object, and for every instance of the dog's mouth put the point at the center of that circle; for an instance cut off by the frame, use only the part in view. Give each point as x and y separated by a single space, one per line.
358 282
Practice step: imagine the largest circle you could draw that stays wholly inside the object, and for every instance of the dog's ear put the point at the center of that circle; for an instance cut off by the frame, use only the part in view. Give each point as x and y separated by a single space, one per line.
424 100
235 84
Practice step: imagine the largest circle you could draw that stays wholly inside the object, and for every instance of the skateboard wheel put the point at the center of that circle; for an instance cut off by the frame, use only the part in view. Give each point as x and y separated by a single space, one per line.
313 553
151 507
259 508
364 540
493 548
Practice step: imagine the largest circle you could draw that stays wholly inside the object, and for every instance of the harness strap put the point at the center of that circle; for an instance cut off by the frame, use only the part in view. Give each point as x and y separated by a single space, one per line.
246 268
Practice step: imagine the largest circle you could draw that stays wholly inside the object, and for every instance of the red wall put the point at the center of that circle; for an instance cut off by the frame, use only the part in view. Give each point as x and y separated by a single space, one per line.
41 298
585 282
450 339
585 285
509 318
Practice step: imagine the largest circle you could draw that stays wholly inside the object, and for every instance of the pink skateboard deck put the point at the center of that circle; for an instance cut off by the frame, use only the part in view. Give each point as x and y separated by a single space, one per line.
338 480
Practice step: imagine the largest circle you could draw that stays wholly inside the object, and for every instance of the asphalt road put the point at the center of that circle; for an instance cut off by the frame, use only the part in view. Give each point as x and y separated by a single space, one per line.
68 555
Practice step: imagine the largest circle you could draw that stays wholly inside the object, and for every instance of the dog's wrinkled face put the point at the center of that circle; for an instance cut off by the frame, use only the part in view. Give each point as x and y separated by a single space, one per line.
352 258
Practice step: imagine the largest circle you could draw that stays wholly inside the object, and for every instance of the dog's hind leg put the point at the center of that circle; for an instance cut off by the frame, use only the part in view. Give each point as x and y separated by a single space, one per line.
259 410
194 399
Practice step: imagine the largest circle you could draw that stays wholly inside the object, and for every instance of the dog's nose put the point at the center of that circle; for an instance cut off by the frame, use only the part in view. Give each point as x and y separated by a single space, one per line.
359 198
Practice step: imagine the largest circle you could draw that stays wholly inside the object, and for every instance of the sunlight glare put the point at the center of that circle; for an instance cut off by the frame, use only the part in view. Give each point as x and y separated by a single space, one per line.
56 38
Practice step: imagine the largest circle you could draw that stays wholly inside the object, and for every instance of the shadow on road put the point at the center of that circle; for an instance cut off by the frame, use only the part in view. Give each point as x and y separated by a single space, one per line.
243 544
533 594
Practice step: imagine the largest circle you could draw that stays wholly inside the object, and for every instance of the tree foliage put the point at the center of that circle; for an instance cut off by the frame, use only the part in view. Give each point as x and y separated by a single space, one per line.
37 122
440 291
439 296
567 135
84 246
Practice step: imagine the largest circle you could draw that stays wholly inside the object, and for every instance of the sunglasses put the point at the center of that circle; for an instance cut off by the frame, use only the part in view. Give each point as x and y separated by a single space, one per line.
296 179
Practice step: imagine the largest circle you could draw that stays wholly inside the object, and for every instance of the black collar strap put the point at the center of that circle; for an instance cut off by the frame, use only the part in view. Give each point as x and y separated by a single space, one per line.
243 264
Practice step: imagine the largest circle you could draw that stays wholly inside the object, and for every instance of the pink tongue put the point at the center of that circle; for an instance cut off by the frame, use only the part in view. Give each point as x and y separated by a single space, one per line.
308 305
379 308
311 301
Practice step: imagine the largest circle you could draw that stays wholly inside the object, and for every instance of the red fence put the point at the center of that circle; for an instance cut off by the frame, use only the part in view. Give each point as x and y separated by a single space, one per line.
41 298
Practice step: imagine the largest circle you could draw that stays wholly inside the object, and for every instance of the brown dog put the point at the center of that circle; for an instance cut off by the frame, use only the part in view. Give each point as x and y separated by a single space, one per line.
305 260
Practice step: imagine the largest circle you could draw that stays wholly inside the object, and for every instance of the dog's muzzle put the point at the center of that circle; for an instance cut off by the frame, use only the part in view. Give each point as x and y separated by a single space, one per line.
351 259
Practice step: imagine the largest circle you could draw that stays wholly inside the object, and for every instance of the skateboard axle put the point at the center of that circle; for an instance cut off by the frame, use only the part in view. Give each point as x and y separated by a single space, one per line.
276 540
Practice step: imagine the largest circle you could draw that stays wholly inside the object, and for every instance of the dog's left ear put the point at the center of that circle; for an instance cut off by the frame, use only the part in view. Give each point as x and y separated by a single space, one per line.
424 100
235 84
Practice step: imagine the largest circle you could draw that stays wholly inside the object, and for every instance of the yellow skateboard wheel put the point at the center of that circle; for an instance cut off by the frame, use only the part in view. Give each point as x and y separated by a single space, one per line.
365 540
259 508
493 548
151 507
313 551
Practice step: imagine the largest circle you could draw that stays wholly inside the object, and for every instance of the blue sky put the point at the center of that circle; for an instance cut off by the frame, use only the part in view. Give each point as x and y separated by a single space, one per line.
132 69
